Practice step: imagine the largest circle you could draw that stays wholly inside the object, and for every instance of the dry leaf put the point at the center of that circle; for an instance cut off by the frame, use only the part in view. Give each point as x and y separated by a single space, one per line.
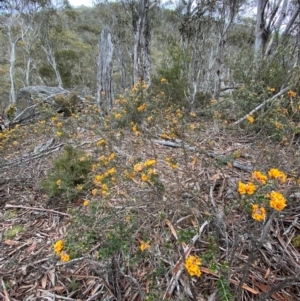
44 281
173 231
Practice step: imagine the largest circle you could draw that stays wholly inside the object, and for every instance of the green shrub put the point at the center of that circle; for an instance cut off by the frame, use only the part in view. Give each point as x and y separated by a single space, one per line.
69 176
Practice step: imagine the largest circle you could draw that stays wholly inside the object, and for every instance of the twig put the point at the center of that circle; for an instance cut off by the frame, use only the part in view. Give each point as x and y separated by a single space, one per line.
261 105
4 290
35 209
56 296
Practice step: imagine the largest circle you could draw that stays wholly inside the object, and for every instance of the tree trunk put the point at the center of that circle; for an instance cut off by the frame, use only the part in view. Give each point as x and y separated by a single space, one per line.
142 40
104 73
261 34
52 61
12 71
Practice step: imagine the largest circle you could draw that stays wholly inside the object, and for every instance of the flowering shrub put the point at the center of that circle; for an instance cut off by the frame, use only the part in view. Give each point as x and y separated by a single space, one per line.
274 199
68 177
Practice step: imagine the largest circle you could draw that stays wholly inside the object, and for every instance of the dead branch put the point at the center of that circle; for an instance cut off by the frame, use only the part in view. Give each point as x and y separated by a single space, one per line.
261 105
35 209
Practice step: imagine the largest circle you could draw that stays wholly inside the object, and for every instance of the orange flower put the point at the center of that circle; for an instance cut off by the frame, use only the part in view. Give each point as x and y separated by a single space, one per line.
258 213
144 245
249 188
258 176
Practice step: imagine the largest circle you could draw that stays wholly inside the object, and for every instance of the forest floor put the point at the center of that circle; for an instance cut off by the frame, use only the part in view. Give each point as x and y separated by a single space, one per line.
131 242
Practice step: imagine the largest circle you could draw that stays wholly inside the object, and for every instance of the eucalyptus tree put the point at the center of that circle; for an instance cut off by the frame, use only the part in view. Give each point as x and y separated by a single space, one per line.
135 14
274 18
204 29
13 25
104 74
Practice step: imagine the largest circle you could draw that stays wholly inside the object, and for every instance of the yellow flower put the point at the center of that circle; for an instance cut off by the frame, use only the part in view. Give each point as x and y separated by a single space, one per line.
192 265
118 115
163 80
59 124
246 188
104 192
53 119
258 213
101 142
291 94
258 176
138 167
250 119
79 187
104 187
270 89
144 177
193 114
99 178
150 162
64 257
58 182
277 200
278 125
111 171
150 118
82 159
164 136
111 156
277 174
141 107
192 127
94 191
86 203
174 165
58 134
102 158
144 245
58 246
151 172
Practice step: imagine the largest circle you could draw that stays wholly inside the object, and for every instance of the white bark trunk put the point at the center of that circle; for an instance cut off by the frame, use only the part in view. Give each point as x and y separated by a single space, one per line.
104 73
142 40
12 62
52 61
260 34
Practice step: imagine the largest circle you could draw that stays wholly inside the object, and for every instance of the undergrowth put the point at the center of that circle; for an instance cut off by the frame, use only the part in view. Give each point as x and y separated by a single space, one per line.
162 216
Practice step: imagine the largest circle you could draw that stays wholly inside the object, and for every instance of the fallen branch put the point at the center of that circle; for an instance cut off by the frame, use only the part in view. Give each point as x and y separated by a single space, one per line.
261 105
178 143
35 209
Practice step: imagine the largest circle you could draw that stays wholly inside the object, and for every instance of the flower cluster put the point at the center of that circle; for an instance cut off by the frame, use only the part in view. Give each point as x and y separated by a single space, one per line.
259 177
58 249
249 188
276 199
258 213
192 265
277 174
145 169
